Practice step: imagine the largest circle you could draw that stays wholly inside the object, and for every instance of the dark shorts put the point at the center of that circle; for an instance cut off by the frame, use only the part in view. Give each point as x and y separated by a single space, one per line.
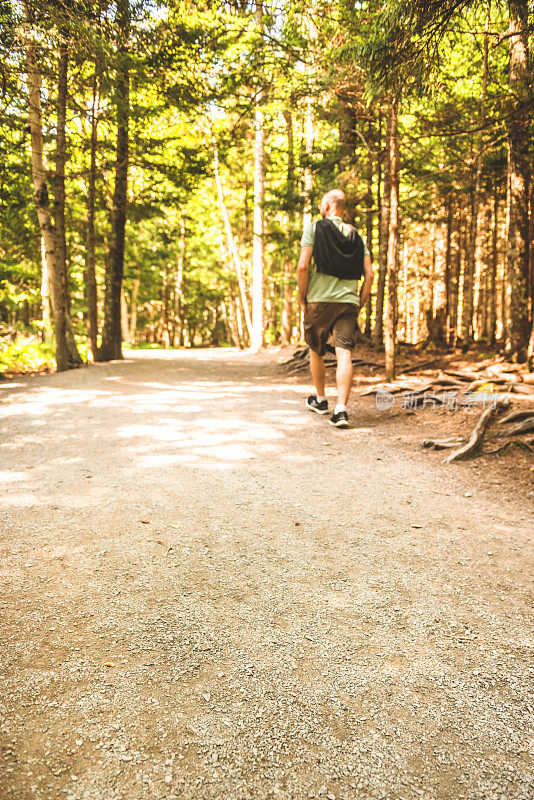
323 319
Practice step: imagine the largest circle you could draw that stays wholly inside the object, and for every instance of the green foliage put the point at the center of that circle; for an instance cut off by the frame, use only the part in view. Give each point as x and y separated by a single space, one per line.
27 354
195 69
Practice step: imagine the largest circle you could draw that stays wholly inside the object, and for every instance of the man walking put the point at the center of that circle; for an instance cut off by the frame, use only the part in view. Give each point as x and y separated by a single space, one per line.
328 297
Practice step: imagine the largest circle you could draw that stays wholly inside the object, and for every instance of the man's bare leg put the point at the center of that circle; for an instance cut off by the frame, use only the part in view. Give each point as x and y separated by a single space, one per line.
317 369
344 374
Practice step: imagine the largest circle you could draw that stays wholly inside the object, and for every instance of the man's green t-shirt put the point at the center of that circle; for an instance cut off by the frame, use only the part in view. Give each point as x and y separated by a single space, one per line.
327 288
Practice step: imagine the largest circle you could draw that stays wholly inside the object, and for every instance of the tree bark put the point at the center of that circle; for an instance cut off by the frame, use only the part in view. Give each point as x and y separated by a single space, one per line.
287 309
42 201
46 307
519 176
178 295
448 255
463 245
478 298
492 320
369 225
405 288
133 310
258 276
230 240
456 267
378 333
233 322
393 243
467 290
59 197
111 347
90 270
125 324
309 141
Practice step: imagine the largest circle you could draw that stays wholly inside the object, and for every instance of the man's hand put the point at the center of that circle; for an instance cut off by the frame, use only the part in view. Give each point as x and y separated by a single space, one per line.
367 284
303 274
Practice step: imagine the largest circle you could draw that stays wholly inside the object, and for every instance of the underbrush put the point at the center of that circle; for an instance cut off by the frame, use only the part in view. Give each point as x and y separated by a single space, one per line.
26 354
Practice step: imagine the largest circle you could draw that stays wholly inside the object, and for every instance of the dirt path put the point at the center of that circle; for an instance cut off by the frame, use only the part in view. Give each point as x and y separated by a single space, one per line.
208 592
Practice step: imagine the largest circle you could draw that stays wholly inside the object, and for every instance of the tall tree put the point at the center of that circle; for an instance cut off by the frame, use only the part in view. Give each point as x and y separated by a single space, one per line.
59 191
519 177
90 259
287 310
258 269
41 192
111 347
393 241
383 228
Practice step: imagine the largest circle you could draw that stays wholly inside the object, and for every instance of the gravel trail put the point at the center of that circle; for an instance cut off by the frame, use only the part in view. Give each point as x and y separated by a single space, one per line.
209 592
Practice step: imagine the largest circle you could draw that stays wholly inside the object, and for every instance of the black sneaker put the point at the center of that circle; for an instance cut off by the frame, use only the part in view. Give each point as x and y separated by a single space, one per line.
340 420
314 405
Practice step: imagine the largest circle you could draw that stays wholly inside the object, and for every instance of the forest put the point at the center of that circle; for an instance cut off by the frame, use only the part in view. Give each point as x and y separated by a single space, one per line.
161 158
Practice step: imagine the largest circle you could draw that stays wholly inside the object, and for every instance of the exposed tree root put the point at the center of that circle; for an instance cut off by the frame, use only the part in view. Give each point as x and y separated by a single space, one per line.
517 443
477 436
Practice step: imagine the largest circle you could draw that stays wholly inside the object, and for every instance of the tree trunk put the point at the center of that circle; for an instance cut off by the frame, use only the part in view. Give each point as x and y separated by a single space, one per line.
258 276
125 325
456 268
287 310
287 306
178 286
233 323
59 197
448 254
492 322
518 150
530 350
111 347
165 317
42 203
369 225
90 273
393 243
309 141
467 289
463 245
505 283
46 308
405 288
378 333
133 310
479 211
230 241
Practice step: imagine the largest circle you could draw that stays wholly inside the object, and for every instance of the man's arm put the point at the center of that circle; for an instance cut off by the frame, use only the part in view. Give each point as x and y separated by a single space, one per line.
368 277
303 274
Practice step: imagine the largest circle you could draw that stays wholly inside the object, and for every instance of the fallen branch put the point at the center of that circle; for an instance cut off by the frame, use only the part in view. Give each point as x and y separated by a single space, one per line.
477 436
442 444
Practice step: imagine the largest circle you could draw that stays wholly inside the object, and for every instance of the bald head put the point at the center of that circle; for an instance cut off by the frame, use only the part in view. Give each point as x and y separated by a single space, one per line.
333 204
